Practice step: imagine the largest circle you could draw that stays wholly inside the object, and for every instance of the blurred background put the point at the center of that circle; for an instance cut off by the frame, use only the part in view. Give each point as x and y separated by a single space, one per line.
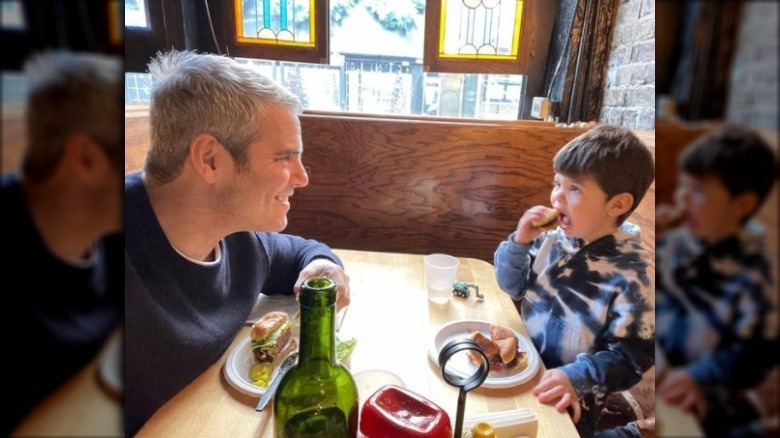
716 63
29 27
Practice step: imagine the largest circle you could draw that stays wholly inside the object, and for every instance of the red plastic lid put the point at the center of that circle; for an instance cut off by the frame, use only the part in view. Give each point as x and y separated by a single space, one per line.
395 412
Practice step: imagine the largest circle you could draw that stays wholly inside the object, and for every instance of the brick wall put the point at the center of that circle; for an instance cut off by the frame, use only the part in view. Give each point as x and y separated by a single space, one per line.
753 90
629 95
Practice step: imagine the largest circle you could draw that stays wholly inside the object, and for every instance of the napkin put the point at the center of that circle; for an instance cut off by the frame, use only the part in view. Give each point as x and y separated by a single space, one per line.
517 422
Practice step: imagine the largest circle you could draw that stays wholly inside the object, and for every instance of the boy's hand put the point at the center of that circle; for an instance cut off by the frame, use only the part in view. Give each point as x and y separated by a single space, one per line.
555 387
678 388
525 231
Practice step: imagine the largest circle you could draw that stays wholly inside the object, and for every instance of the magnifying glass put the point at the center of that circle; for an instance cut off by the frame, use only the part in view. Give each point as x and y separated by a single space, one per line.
465 382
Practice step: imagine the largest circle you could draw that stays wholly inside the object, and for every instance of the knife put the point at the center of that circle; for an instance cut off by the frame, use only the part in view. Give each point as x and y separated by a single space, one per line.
288 362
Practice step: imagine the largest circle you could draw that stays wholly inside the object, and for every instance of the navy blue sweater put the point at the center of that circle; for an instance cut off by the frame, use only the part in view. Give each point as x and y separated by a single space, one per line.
55 315
182 316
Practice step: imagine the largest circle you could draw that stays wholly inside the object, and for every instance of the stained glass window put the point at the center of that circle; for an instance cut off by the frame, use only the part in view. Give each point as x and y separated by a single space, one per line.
480 29
276 22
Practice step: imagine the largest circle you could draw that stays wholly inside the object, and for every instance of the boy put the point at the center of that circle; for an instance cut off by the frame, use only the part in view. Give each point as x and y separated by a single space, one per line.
587 295
716 322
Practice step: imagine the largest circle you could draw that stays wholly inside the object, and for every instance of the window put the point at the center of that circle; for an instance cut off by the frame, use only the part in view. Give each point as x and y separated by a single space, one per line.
293 30
375 65
477 35
151 26
135 14
12 16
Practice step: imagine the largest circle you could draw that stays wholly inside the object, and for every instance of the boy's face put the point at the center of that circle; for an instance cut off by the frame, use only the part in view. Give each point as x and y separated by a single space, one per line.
583 207
710 211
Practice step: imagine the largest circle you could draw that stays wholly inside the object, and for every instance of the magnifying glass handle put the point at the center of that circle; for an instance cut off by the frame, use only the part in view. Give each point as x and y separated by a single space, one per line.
461 410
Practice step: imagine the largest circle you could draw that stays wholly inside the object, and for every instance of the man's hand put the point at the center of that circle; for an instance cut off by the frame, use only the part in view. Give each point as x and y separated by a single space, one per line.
326 268
678 388
555 387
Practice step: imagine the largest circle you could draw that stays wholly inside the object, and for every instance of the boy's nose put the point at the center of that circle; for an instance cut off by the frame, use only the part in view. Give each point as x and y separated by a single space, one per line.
556 196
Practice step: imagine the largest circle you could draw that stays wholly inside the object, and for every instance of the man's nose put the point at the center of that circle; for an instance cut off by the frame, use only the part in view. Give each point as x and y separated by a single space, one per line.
299 177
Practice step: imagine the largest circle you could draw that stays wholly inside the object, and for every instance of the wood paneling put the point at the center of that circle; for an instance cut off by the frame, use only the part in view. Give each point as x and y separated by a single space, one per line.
416 186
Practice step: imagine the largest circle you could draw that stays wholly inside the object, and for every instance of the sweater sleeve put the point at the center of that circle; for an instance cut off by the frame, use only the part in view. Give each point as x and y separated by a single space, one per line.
287 256
513 265
625 351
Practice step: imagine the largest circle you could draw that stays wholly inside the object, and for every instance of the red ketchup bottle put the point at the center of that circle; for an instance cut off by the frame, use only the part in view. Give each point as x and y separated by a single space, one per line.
395 412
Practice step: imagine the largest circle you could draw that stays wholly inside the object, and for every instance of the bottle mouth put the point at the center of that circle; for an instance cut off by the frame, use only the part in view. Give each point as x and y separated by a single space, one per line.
318 291
318 283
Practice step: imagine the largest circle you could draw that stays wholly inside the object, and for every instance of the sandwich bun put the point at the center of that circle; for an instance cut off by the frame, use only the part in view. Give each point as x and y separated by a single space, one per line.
270 336
267 324
547 222
502 350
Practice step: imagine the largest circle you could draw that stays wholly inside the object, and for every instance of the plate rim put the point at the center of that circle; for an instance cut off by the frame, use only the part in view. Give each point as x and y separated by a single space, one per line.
241 384
494 382
237 382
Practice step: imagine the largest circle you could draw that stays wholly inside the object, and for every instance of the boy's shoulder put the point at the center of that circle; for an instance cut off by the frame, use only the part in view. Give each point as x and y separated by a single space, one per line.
743 249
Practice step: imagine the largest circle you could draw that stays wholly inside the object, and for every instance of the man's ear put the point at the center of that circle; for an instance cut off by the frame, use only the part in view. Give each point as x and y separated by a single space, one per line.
619 204
79 155
745 203
205 152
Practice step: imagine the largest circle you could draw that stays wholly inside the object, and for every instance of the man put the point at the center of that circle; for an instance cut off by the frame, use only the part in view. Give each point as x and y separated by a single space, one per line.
203 218
61 213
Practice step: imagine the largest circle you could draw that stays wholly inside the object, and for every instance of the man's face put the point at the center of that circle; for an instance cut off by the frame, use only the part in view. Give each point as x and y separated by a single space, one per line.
257 197
104 191
583 207
709 209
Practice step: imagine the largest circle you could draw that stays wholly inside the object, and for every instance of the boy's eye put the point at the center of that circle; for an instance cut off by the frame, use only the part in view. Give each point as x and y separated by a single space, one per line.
574 188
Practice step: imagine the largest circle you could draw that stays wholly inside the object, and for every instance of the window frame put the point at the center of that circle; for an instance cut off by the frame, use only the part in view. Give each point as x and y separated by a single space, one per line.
319 54
165 31
433 63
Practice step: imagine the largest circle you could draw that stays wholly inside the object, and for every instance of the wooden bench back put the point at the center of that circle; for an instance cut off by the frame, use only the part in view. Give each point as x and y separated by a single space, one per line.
418 186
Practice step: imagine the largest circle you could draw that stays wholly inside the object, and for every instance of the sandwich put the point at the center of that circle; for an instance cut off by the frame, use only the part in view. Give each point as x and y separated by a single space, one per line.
501 350
668 218
549 221
270 336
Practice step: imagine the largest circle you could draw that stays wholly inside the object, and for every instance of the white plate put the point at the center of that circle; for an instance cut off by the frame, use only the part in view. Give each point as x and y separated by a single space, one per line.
110 367
496 379
240 361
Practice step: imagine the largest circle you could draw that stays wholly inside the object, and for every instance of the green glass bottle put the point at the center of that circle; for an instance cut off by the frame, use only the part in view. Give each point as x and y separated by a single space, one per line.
318 397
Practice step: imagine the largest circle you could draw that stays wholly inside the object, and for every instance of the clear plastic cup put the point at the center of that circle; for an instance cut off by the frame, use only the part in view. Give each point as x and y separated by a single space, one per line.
440 270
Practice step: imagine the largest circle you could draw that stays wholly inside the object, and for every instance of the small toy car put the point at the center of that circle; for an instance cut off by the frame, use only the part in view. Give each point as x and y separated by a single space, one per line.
462 290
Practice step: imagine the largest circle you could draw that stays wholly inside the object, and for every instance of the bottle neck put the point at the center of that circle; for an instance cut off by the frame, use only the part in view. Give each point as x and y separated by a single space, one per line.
318 335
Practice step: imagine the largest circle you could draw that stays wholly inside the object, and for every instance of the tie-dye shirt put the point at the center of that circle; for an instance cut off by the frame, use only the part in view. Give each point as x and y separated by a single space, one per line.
715 312
589 309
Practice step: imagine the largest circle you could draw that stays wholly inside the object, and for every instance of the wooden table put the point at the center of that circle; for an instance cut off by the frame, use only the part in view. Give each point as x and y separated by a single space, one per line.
393 322
670 421
83 406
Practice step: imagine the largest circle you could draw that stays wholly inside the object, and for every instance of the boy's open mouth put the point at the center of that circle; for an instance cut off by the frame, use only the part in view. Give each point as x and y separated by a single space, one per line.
564 220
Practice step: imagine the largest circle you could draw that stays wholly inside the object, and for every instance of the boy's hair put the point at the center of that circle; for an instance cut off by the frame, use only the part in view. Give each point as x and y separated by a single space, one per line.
614 157
72 93
735 155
